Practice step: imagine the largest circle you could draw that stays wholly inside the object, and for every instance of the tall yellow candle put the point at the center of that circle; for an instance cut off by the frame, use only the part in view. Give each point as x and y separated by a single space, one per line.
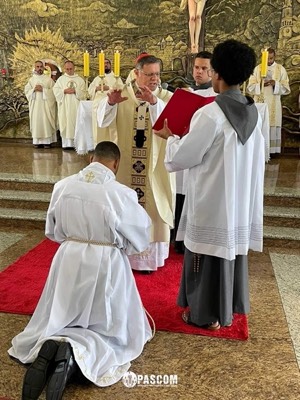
86 64
264 63
101 63
117 63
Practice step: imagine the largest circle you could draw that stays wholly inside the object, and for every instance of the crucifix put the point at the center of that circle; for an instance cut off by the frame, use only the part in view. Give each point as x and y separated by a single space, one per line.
195 8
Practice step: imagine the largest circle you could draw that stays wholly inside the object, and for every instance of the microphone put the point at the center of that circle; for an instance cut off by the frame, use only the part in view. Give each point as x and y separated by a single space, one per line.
164 85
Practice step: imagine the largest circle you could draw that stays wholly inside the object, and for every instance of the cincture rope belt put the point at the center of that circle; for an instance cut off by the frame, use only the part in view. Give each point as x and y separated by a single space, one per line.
72 239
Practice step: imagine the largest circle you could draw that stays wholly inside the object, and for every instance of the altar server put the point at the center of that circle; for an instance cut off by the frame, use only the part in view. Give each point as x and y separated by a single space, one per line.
222 216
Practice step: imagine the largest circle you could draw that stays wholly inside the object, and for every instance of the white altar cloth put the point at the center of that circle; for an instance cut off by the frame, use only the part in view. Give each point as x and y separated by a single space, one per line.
84 129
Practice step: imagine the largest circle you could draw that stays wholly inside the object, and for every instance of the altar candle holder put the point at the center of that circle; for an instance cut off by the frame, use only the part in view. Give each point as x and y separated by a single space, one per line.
86 81
244 88
117 62
264 67
86 71
102 82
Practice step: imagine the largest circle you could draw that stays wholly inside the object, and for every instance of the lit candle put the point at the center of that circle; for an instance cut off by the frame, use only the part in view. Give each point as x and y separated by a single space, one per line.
264 63
117 63
101 63
86 64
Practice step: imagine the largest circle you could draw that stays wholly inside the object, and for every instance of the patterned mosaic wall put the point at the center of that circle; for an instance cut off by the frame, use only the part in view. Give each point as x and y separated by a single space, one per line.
57 30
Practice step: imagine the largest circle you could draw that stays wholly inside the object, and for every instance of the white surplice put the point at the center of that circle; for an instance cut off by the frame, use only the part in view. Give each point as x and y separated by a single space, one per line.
42 109
216 168
209 92
182 177
90 298
67 105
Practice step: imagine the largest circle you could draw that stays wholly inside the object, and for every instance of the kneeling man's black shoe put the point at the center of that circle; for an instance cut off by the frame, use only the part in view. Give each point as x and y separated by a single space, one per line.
65 368
37 374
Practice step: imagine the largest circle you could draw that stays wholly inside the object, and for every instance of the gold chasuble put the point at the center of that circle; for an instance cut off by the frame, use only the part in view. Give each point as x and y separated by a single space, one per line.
142 162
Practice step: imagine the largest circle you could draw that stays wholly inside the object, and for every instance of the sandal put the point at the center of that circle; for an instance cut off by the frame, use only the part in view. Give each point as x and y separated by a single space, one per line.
186 317
213 326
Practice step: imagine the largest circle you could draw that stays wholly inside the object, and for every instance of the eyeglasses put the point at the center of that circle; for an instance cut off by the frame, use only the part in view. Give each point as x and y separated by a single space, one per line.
151 74
210 72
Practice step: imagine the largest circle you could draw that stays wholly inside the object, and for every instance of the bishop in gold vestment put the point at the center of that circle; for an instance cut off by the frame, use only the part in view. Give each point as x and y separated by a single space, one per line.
142 162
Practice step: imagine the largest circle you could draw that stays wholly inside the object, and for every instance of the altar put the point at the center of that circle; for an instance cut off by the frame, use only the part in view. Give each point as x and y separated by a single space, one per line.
83 139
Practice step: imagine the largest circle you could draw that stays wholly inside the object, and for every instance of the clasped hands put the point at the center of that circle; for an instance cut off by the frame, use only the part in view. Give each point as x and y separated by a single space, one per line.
38 88
69 91
269 82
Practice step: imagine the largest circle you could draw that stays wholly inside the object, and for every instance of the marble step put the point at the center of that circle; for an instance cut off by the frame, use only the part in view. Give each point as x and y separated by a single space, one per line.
16 199
24 199
27 199
14 217
278 236
282 216
283 196
26 183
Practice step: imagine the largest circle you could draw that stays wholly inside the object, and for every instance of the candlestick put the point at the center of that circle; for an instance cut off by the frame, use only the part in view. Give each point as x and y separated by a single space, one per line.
262 87
86 64
264 63
86 80
101 84
117 64
244 88
101 64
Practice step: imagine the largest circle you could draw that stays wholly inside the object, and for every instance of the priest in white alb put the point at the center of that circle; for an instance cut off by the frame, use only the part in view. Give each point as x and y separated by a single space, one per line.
42 107
69 89
97 91
275 85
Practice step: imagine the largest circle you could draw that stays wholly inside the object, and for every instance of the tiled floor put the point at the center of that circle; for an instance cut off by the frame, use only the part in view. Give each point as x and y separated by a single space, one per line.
265 367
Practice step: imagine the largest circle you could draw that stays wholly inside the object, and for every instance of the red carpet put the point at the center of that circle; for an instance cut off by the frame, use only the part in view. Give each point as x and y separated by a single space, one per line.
22 282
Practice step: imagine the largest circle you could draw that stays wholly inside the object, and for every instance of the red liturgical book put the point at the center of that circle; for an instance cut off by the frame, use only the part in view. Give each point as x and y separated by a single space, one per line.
179 111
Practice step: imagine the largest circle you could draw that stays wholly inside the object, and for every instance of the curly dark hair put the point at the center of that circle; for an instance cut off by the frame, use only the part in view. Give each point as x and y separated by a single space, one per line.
234 61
